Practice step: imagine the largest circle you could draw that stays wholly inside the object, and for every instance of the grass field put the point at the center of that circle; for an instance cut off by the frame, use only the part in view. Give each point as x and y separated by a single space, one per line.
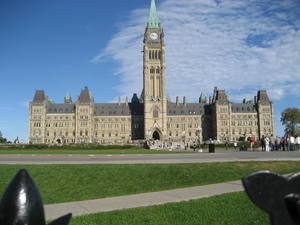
65 183
233 209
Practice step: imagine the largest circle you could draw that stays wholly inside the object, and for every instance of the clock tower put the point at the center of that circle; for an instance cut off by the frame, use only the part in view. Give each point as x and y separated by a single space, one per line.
154 79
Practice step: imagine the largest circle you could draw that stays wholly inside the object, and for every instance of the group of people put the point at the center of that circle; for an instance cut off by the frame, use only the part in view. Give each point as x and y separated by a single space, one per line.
286 143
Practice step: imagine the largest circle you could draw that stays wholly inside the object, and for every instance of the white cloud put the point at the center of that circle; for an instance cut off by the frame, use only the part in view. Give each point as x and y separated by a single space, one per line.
25 104
239 46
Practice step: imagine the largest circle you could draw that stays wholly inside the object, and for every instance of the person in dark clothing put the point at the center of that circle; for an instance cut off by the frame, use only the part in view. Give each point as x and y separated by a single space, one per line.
263 144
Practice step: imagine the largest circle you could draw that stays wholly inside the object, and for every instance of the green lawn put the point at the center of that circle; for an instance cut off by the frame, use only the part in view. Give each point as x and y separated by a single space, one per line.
232 208
65 183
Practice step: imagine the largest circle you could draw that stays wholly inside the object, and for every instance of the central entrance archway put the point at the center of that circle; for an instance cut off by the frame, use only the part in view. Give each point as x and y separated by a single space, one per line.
155 135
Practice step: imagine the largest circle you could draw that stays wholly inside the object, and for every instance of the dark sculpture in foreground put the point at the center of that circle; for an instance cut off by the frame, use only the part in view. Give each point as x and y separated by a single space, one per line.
277 195
22 204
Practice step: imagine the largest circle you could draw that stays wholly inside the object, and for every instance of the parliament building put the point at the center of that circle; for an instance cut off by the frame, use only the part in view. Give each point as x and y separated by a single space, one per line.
151 115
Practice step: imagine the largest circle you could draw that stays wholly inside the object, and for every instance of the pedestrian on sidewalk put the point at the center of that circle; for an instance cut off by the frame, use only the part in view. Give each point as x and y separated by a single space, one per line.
272 142
252 143
235 144
263 144
297 141
226 145
267 142
292 143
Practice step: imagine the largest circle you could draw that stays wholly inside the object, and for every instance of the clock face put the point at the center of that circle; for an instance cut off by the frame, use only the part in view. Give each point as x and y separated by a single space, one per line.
153 36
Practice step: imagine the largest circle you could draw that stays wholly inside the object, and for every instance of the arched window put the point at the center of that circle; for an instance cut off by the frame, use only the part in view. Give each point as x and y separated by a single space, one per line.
150 54
86 133
155 114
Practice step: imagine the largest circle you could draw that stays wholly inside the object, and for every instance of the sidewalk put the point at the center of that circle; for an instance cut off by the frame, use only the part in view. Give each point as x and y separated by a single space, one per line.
140 200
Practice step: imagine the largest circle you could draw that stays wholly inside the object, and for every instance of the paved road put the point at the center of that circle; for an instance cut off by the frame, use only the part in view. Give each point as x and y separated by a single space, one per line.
218 156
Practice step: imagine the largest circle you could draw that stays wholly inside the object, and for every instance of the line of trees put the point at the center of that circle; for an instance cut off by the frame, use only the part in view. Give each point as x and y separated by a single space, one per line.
290 118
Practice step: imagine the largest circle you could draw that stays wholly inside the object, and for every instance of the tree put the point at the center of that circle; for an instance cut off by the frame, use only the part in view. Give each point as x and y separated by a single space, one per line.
290 117
2 140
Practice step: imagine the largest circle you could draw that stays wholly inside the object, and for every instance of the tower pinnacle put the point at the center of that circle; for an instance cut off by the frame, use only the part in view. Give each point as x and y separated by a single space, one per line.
153 21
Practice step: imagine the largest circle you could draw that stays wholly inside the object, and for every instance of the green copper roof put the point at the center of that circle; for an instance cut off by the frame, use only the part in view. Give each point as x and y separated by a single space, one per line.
202 96
153 18
68 96
168 98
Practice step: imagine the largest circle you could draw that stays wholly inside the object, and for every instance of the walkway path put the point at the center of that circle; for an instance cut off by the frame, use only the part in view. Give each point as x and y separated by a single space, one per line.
140 200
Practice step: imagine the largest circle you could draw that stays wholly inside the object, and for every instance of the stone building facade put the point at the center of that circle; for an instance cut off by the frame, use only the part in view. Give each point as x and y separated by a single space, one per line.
152 115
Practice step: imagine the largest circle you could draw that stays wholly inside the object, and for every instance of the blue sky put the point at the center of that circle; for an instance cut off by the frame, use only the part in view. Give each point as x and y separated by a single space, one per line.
61 46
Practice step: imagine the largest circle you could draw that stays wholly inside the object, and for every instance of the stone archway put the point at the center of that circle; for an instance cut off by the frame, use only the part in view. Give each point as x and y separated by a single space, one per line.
59 139
156 135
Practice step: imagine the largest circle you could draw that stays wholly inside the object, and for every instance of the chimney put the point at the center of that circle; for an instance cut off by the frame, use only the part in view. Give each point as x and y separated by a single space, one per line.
126 101
177 100
119 101
184 100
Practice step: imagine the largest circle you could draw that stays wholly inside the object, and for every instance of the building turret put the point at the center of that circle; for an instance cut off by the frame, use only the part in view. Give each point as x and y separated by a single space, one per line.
202 98
68 98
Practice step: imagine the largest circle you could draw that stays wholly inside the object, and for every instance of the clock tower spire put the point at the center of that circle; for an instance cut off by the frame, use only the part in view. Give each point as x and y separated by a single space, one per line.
154 79
153 18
